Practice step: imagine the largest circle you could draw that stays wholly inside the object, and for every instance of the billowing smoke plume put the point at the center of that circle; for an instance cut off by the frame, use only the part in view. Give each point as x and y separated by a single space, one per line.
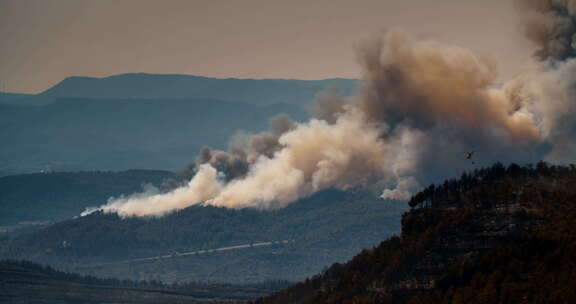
422 105
245 150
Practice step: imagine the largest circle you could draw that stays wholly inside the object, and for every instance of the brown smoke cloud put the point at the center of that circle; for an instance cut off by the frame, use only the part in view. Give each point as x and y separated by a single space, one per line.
422 105
423 83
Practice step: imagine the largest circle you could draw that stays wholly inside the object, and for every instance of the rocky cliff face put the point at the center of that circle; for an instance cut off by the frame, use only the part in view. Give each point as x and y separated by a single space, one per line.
461 236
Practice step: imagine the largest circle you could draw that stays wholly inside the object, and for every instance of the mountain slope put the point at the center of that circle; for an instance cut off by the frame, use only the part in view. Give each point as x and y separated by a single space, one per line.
327 227
498 235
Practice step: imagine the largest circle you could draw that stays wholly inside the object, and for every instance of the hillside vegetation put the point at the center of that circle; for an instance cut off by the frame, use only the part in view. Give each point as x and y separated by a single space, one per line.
496 235
30 283
325 228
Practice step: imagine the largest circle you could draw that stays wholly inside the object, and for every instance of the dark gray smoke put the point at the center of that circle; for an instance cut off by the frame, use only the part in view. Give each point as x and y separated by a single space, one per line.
244 150
550 24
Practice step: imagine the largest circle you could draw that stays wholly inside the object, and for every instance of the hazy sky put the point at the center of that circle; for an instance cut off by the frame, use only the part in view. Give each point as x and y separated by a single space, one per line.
44 41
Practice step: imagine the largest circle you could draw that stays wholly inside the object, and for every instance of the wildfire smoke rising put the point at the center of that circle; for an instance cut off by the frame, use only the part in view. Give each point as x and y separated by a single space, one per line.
421 106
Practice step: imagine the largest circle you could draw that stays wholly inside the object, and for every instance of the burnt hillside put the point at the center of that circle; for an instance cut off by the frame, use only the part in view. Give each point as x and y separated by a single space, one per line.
496 235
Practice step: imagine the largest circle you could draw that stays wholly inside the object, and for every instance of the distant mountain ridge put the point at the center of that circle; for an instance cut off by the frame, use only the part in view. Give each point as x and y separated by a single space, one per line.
155 86
73 134
142 120
13 98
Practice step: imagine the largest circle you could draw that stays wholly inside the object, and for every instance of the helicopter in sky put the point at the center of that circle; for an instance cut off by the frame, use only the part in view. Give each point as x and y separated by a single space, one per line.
469 156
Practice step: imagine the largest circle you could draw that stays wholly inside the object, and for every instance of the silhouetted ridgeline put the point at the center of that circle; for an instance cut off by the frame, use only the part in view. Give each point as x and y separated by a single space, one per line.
6 97
248 91
140 120
496 235
168 86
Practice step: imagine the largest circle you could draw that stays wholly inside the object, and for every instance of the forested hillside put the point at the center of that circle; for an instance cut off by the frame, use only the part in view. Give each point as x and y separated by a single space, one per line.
26 282
327 227
496 235
54 196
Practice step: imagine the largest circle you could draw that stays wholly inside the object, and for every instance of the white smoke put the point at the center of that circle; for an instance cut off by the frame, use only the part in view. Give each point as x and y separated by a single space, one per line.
315 156
403 189
205 185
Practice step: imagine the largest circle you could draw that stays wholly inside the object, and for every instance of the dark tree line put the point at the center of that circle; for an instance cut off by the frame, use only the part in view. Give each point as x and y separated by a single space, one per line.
450 192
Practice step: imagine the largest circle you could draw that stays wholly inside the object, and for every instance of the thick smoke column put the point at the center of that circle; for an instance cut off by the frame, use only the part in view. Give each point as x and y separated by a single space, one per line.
421 106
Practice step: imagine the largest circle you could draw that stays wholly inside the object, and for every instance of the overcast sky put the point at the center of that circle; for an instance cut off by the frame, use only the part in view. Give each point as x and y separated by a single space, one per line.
44 41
